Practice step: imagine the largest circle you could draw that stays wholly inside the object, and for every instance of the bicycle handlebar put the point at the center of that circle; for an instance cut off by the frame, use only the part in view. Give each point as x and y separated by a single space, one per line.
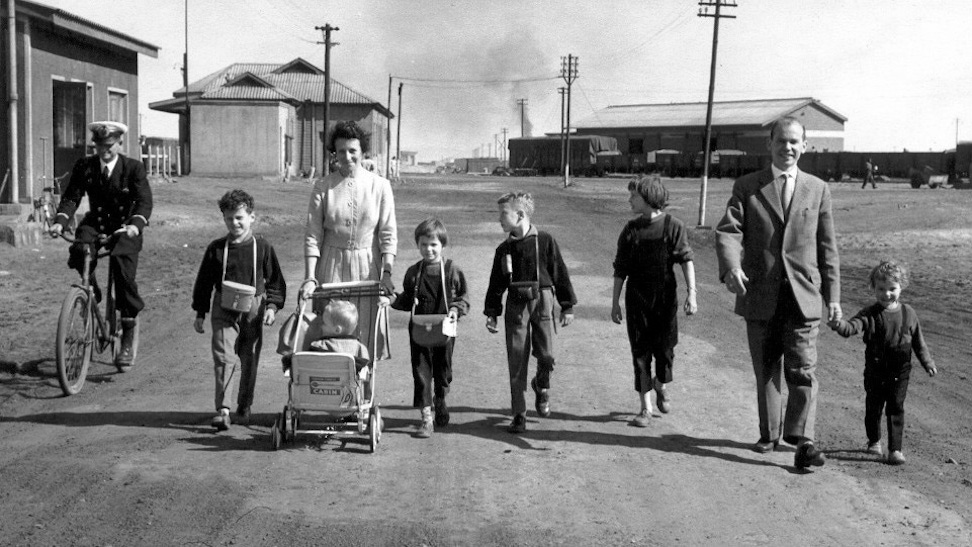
102 238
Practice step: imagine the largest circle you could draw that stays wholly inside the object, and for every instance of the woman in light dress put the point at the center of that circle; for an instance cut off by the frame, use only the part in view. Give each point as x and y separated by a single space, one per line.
351 231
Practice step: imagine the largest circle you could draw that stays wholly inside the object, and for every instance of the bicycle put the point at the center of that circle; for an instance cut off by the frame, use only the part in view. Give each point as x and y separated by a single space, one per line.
45 207
81 325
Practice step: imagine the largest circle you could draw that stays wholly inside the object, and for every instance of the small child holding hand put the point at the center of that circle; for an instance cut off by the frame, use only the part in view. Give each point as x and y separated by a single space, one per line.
891 333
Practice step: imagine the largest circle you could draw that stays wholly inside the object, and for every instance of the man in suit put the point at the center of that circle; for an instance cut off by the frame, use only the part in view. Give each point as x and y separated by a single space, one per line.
120 201
777 253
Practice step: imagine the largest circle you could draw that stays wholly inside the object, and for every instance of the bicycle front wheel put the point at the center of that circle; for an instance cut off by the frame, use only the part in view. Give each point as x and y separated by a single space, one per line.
75 337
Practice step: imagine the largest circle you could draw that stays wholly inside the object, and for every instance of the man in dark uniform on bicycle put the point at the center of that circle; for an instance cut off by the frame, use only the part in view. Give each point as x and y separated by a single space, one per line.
120 201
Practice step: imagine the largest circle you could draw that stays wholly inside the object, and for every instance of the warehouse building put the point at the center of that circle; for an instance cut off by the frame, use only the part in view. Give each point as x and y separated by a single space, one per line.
650 134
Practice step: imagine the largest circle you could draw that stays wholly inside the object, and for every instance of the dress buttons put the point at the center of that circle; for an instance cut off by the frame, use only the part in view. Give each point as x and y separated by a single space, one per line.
347 222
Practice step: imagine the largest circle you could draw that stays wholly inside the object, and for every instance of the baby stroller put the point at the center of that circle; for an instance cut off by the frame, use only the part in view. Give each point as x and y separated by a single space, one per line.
341 398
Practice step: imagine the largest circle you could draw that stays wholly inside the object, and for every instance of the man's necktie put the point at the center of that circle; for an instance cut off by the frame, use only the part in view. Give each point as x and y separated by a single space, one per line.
786 193
105 174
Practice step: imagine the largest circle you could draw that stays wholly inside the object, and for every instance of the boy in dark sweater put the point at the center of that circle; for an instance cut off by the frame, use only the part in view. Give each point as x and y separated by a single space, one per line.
891 333
529 267
246 259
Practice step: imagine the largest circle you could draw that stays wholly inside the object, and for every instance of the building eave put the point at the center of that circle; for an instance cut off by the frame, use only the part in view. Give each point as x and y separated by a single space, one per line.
87 29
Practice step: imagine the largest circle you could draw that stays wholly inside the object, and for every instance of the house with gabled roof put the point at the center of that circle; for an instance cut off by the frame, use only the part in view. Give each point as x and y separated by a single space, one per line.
267 119
642 130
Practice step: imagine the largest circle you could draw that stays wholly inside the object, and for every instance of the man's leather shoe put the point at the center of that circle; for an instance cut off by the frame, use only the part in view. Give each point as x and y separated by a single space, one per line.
807 455
763 447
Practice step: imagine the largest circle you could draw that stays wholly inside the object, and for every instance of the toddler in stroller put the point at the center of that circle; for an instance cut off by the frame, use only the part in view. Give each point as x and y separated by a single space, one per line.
329 354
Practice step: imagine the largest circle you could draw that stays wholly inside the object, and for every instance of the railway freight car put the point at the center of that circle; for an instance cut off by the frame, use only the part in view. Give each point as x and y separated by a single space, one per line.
590 155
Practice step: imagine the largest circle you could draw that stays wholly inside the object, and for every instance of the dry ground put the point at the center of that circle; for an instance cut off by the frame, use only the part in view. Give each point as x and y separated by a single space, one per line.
132 461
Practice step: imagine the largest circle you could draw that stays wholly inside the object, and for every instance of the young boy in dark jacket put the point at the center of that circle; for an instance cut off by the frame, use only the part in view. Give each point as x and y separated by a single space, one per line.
246 259
528 266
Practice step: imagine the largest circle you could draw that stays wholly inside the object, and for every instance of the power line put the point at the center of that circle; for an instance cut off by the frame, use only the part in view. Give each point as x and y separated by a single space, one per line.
442 80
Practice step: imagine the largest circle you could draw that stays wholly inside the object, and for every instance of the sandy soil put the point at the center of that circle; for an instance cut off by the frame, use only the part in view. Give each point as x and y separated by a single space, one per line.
132 460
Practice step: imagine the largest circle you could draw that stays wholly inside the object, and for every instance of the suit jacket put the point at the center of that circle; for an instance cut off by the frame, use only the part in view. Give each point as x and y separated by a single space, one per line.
126 198
753 236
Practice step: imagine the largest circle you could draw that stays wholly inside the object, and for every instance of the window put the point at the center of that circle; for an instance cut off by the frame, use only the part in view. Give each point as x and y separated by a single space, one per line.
636 146
69 115
118 106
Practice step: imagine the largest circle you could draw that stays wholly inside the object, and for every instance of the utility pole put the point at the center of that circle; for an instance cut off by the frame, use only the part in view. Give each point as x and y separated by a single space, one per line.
563 96
568 71
327 28
522 103
505 150
186 154
388 133
704 6
398 135
12 105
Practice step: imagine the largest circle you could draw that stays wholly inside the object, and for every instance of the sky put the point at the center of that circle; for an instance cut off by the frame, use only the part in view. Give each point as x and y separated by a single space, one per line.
900 71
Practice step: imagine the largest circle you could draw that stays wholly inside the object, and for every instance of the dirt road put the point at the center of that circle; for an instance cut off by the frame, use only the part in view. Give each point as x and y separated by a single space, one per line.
132 460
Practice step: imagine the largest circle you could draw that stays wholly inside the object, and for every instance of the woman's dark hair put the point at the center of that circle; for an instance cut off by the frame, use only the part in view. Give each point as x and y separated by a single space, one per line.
347 131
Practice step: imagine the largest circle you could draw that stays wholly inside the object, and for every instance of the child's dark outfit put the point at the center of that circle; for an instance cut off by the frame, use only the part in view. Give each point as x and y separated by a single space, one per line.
648 250
529 321
238 332
432 367
890 337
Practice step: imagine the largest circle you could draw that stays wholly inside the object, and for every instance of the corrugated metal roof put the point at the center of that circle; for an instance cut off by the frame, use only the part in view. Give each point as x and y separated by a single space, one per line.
248 93
754 112
86 27
300 86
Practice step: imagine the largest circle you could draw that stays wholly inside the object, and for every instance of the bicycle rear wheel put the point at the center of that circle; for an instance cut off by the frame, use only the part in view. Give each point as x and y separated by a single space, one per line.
74 341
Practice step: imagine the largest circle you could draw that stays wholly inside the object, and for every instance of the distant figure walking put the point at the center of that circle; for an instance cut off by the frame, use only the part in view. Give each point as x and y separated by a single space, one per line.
869 170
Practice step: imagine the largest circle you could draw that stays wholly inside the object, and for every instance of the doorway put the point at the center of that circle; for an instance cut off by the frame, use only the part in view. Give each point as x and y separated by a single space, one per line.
70 100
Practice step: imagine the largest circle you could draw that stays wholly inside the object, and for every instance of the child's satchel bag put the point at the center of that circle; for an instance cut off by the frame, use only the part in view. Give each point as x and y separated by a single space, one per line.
237 297
524 291
436 329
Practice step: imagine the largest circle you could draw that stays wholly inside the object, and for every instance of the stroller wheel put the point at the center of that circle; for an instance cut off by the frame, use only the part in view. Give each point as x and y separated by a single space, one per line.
374 429
286 424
